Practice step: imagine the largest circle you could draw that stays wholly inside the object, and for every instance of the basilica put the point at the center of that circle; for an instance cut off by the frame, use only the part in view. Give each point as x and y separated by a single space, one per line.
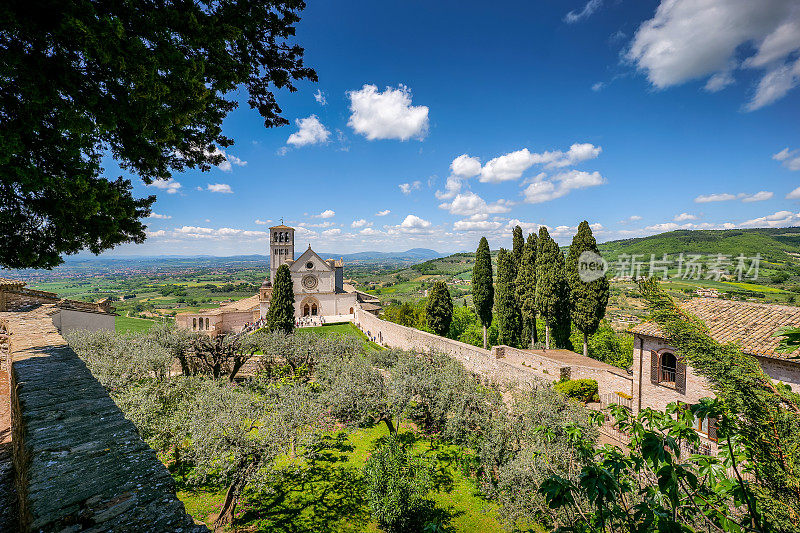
319 291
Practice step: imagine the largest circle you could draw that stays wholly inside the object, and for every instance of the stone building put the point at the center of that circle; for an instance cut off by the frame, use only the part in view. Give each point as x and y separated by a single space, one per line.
660 378
319 291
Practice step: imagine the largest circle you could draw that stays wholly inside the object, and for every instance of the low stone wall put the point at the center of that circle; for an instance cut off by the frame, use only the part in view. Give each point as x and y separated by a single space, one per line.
503 363
80 465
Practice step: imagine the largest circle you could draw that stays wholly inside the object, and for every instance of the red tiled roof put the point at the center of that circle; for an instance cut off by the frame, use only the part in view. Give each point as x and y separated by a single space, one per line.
748 324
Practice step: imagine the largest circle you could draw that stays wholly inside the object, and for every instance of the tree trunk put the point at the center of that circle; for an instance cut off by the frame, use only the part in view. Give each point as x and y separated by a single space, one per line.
484 338
585 344
547 336
535 333
389 425
225 516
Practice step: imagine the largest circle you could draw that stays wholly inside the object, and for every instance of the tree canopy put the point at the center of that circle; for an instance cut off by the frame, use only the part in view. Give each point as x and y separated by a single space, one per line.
280 316
552 298
483 285
587 299
148 84
439 309
507 312
517 244
526 286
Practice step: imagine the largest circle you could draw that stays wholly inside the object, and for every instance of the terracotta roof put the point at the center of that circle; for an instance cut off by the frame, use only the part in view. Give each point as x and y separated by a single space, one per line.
370 307
748 324
5 282
280 226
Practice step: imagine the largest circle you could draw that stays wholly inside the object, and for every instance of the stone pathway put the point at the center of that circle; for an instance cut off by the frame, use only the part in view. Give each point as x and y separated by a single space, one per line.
8 499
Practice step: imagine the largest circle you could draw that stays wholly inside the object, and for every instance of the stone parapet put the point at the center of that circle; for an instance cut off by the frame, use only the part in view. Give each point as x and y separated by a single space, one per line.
80 465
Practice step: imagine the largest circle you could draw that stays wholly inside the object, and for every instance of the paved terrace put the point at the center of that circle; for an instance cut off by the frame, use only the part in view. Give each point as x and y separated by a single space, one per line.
79 463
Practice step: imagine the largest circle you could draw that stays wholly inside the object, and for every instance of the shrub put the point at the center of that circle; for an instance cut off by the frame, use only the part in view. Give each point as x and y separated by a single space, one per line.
397 483
584 390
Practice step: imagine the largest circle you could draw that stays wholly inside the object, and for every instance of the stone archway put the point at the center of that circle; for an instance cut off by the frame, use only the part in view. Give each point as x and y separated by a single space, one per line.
310 307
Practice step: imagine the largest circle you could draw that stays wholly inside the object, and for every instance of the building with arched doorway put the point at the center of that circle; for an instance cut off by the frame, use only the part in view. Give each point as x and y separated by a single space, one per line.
319 291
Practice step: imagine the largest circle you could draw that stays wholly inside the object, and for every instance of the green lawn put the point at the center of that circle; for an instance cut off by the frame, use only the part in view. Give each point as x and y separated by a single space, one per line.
125 324
327 494
347 328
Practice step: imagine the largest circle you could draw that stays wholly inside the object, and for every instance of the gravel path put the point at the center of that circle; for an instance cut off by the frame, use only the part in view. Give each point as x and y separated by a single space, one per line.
8 500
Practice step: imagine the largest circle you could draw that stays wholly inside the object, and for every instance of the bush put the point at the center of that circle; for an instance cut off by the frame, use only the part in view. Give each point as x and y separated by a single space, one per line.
584 390
397 483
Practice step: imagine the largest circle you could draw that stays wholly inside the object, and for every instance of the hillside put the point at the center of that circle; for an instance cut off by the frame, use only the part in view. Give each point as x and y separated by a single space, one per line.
774 244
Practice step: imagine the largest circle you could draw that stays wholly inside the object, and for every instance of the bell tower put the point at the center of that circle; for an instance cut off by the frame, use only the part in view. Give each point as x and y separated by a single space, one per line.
281 248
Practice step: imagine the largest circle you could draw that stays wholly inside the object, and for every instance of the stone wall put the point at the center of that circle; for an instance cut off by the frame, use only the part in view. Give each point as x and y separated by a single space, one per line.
80 465
503 363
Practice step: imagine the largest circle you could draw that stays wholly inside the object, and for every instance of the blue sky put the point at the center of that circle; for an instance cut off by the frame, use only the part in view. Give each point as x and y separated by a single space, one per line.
434 123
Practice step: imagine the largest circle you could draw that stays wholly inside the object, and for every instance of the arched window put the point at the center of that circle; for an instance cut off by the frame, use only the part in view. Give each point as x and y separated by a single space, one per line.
275 236
313 309
201 324
194 323
306 310
668 367
206 323
351 310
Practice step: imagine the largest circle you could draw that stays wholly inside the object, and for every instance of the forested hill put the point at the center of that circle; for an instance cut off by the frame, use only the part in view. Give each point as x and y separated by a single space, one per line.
772 243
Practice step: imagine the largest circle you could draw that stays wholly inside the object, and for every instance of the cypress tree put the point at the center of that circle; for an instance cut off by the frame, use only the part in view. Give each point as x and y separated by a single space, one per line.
526 286
439 310
482 286
280 315
517 244
587 300
552 294
509 318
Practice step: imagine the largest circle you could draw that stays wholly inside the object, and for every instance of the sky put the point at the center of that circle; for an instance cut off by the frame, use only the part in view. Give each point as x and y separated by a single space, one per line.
436 123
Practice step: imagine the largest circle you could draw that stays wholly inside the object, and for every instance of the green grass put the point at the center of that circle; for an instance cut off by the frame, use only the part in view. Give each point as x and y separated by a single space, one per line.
126 324
347 328
327 494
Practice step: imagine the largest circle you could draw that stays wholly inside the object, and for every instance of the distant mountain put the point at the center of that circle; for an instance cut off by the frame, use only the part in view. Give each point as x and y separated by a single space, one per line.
415 254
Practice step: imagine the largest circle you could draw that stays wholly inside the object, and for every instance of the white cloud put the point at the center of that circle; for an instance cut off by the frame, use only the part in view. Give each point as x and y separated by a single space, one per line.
757 197
775 84
330 232
690 39
263 222
319 96
220 187
227 160
632 218
387 115
776 220
170 185
360 223
726 197
159 233
507 167
789 158
512 165
477 223
544 190
598 86
719 197
587 11
156 215
684 217
309 131
407 188
462 168
472 204
328 213
370 232
465 166
382 213
794 195
411 224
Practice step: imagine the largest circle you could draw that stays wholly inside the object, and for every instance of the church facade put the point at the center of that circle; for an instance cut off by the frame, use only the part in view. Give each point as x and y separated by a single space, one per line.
319 291
319 288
